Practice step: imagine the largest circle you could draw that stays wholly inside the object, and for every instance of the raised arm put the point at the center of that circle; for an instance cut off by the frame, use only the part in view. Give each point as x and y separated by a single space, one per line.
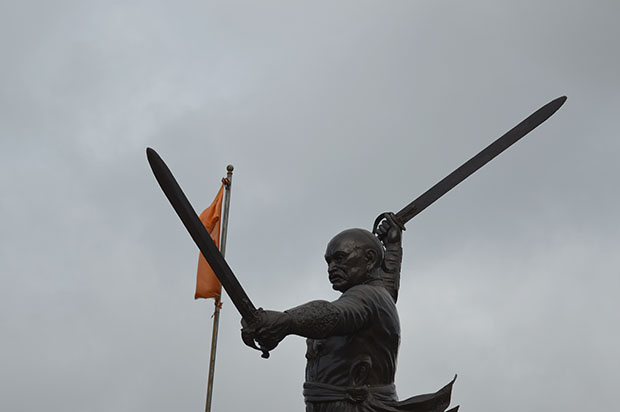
391 237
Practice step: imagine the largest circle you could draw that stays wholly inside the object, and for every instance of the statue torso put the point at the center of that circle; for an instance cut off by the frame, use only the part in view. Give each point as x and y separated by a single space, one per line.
365 349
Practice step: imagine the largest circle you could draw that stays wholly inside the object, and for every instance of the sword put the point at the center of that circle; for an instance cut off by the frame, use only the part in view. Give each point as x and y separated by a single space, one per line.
466 169
203 240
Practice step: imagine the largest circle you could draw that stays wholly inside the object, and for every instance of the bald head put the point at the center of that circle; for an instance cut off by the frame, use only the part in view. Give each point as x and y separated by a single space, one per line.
352 255
359 238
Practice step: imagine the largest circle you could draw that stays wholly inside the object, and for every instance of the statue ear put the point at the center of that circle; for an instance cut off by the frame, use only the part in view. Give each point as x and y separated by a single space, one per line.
371 259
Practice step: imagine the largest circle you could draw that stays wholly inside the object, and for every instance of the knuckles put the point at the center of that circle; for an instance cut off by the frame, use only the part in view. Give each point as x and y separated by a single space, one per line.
268 330
389 233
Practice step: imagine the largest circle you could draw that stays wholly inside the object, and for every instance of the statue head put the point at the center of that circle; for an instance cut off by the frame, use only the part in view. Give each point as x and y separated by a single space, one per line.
353 257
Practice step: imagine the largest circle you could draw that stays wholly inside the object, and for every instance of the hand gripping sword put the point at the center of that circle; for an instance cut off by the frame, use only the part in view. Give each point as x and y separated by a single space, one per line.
203 240
466 169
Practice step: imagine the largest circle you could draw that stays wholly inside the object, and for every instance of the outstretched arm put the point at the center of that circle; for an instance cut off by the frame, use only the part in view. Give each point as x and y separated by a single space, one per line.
317 319
314 319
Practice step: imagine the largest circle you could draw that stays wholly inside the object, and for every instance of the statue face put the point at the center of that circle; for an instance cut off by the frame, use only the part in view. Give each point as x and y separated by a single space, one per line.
346 263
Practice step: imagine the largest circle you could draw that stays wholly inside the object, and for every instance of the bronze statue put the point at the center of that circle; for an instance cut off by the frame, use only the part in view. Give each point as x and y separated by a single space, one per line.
352 341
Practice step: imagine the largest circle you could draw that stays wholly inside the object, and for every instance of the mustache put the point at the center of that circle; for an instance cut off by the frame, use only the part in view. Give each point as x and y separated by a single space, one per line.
337 274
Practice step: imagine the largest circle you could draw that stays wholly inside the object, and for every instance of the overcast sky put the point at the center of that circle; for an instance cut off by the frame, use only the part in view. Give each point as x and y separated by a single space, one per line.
331 112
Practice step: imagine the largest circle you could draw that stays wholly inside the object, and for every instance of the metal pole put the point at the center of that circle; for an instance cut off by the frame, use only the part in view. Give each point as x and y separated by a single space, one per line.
216 314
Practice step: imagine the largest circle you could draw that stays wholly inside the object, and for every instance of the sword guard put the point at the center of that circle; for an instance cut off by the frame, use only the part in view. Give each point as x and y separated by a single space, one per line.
389 216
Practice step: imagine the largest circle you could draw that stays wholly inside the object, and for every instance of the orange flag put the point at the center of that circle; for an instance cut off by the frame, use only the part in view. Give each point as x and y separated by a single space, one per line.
207 284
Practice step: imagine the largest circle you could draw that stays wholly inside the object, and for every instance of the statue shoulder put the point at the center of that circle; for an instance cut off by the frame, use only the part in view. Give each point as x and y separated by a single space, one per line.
370 293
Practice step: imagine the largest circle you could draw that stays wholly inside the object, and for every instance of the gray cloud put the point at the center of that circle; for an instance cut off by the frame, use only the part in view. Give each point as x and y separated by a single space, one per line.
331 114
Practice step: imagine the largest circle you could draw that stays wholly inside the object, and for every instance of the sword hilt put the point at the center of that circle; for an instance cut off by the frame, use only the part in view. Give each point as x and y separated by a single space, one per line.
248 339
390 217
248 333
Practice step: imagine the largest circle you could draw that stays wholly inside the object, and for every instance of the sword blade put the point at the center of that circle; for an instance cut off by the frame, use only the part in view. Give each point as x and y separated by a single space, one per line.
479 160
201 237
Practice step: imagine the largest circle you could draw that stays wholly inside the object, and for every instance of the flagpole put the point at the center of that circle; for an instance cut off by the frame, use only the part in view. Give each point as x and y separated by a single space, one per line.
218 302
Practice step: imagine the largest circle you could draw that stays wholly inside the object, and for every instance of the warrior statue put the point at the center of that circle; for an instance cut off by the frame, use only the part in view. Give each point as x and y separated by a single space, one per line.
352 341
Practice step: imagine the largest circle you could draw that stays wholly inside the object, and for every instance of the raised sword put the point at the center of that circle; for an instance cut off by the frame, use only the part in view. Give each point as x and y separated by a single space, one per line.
466 169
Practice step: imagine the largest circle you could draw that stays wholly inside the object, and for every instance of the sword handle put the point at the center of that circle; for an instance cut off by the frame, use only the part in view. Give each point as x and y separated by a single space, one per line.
389 216
248 331
248 339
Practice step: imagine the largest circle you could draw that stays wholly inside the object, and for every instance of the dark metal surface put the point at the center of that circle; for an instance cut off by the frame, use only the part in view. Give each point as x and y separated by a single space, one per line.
203 240
473 164
352 345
